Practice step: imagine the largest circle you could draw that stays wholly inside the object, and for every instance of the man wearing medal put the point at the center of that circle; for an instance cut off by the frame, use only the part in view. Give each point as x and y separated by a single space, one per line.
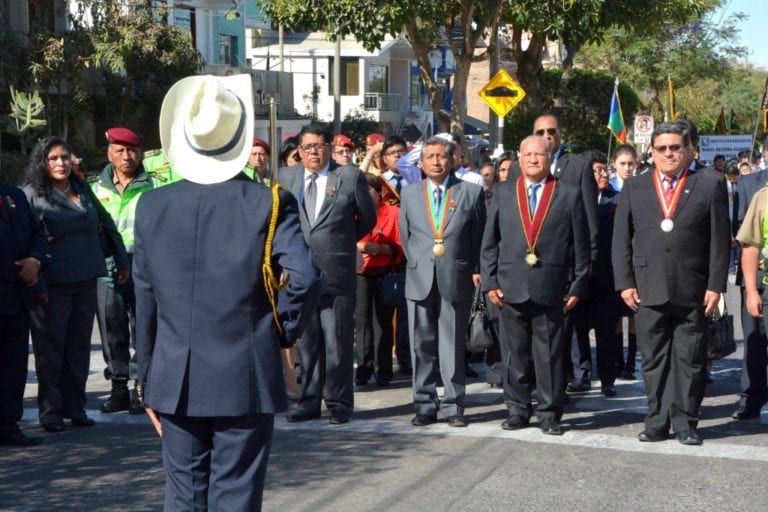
670 260
535 266
441 226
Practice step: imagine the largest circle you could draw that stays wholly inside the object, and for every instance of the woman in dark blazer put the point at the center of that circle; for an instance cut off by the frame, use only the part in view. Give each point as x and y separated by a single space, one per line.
72 220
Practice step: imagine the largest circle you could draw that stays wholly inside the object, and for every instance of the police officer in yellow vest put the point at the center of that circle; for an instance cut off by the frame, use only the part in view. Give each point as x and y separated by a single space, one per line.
753 236
118 188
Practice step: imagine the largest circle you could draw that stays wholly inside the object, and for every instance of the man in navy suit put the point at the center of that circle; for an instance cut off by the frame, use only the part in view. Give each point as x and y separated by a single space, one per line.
208 253
534 264
22 249
337 211
670 249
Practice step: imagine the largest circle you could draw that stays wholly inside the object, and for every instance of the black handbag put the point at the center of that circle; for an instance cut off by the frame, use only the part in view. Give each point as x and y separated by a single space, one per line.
479 330
392 288
720 341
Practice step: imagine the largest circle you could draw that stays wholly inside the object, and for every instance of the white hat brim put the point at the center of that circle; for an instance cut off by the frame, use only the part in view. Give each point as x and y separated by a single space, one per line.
184 160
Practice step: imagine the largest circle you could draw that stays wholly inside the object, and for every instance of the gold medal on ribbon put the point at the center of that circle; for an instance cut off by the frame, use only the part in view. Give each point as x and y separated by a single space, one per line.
437 216
532 223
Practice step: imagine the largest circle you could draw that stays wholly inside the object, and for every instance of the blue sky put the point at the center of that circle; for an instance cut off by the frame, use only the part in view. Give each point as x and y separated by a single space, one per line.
752 30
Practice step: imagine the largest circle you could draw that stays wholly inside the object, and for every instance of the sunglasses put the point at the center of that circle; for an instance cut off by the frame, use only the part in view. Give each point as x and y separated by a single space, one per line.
551 131
675 148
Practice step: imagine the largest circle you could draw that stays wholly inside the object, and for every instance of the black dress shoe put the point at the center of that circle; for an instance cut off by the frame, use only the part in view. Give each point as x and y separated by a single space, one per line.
422 420
56 425
81 420
651 435
579 386
339 417
11 435
301 415
550 427
515 423
627 374
743 413
457 421
689 437
382 380
470 372
609 390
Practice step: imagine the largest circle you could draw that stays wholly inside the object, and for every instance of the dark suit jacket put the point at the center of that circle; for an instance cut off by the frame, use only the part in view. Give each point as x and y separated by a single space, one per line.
205 338
746 188
602 271
571 168
347 214
21 236
73 234
465 217
676 267
562 248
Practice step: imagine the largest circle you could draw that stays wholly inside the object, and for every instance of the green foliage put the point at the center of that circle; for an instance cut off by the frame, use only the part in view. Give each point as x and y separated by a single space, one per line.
140 56
26 116
584 120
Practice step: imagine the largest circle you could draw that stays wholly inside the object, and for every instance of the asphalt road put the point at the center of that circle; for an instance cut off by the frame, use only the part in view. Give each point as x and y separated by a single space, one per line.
379 461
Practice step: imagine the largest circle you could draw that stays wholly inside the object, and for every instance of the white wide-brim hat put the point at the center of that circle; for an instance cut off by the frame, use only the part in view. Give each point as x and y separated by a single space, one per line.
206 126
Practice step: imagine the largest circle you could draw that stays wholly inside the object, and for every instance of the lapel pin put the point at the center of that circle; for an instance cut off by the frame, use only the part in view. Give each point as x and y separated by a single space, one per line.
330 191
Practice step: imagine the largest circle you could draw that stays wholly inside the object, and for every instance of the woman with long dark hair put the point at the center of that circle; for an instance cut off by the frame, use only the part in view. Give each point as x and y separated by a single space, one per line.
77 228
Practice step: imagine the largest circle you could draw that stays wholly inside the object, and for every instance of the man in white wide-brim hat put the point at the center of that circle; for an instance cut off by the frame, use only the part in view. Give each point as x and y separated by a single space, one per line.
208 329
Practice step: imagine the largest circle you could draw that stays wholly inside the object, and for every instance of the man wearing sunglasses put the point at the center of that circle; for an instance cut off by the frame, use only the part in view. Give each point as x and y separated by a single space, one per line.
336 210
670 260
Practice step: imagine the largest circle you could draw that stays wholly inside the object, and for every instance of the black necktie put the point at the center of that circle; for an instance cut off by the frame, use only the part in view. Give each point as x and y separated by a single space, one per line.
310 198
398 185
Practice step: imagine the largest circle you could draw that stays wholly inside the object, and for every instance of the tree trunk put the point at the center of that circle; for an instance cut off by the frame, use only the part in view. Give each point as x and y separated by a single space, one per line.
529 69
561 98
419 47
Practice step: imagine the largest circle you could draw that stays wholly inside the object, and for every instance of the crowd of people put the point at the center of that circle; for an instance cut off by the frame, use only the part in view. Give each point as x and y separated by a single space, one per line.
202 282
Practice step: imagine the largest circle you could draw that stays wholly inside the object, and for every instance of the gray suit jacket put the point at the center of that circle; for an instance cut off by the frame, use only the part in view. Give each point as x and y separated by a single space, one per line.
73 234
347 214
463 233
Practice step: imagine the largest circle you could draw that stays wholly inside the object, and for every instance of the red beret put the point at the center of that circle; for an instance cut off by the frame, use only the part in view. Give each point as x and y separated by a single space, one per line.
373 139
123 136
343 140
262 144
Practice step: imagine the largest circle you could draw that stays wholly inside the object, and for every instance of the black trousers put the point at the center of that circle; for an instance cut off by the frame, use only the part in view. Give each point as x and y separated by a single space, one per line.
14 354
326 355
605 315
577 325
215 463
373 330
116 315
533 332
754 377
673 347
61 338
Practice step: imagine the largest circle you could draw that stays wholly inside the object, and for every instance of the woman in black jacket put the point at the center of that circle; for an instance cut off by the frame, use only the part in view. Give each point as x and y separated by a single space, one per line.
77 227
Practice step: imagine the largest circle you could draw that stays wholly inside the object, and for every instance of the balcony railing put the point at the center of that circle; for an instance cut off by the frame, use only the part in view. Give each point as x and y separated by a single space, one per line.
383 101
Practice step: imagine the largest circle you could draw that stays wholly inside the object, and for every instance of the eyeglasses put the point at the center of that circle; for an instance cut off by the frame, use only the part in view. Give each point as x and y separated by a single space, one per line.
395 152
551 131
675 148
310 147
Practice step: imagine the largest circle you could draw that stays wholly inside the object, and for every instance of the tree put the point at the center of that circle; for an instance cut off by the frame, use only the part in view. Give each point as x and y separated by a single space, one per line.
697 56
583 117
458 23
138 53
463 22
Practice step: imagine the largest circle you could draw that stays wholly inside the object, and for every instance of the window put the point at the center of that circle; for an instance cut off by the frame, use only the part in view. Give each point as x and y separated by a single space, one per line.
350 76
227 46
378 79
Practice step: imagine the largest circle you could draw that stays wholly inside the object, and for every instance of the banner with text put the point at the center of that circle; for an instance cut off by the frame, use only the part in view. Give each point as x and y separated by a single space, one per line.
727 145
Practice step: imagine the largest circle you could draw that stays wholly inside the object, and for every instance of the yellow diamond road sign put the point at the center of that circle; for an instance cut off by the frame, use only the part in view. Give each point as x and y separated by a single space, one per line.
502 93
